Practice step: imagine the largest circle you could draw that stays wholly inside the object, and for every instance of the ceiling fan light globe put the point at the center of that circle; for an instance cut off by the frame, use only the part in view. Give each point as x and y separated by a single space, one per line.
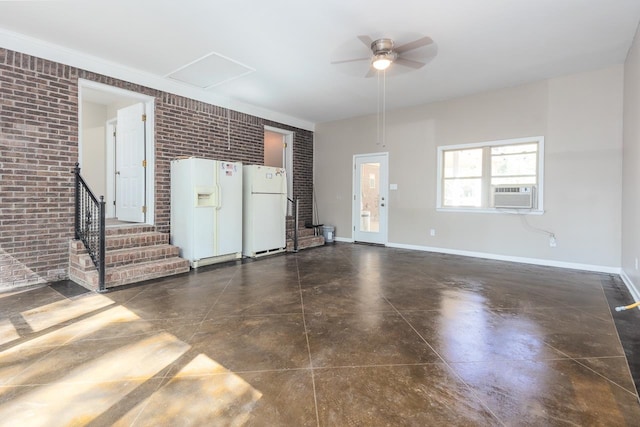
381 63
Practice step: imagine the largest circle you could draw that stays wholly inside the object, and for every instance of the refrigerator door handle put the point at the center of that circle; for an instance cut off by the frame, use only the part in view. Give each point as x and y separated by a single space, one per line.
218 196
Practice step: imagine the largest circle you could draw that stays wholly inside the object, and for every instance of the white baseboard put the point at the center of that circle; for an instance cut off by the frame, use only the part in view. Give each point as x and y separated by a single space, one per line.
343 239
535 261
633 290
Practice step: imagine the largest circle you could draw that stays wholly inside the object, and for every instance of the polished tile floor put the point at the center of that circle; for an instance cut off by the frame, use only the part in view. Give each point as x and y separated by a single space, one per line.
342 335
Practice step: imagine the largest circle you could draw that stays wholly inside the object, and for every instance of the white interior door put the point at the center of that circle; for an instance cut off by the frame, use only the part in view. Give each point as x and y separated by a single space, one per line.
130 164
111 168
370 197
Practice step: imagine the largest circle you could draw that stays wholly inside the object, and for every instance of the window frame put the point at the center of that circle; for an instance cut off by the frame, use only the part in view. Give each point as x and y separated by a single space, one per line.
486 175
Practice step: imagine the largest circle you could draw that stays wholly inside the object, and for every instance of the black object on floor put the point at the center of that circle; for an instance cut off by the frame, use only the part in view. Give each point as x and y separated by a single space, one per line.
69 288
627 323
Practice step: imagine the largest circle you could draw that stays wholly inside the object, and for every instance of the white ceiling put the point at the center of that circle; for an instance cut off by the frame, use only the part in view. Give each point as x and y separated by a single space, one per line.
284 48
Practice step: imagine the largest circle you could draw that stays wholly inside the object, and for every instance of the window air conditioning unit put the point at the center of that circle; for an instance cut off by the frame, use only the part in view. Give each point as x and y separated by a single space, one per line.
514 196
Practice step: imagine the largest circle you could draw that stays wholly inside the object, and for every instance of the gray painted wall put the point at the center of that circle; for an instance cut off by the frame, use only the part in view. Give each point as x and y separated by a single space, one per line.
580 117
94 146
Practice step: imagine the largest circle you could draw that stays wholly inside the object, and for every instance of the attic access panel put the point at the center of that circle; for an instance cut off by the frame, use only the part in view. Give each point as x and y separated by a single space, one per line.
209 71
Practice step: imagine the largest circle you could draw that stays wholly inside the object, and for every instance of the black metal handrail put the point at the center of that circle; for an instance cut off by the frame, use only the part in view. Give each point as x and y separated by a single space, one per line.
90 224
295 223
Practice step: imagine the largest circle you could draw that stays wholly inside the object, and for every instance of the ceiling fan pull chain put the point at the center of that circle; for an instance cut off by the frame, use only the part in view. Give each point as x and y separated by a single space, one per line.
378 111
384 108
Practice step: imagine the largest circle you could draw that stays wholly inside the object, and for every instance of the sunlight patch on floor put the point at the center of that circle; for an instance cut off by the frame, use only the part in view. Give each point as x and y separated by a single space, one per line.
16 359
203 392
8 332
53 379
93 387
49 315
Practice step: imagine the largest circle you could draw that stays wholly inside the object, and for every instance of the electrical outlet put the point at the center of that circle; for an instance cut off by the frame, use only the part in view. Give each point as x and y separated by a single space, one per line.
552 241
432 232
636 263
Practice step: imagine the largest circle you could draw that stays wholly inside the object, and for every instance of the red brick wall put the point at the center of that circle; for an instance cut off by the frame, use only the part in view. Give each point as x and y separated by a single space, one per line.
39 147
185 127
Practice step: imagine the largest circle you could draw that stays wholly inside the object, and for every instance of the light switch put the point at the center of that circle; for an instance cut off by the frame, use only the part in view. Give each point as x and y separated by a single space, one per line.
393 186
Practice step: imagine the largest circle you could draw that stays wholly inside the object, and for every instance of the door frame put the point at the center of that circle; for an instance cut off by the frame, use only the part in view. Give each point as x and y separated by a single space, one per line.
113 93
384 192
110 197
287 160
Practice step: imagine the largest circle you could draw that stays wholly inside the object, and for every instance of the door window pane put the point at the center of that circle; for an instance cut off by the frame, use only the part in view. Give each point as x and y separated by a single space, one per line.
370 197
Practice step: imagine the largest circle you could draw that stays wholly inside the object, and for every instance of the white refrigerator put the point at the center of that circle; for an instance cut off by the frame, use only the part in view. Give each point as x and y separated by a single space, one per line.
264 210
206 210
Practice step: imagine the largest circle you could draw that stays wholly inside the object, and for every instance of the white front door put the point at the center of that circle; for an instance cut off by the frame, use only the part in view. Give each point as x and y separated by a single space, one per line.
130 164
370 197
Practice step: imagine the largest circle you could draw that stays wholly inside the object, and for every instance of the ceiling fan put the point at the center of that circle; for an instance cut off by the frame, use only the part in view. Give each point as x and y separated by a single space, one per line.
384 53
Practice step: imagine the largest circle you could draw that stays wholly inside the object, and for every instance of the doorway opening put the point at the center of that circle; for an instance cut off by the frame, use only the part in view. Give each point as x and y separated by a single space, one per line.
370 197
278 152
116 150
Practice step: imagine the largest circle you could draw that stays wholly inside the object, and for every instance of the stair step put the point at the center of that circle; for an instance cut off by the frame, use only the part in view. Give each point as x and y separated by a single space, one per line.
306 242
125 241
116 258
301 224
134 254
133 273
126 274
304 232
129 229
120 257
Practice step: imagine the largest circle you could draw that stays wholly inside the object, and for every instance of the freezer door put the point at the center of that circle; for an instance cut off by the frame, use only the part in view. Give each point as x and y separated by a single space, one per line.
205 195
193 199
267 179
229 213
269 221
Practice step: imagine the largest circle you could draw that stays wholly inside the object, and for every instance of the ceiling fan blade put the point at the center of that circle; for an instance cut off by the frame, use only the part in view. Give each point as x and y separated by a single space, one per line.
366 40
368 58
409 63
424 41
371 73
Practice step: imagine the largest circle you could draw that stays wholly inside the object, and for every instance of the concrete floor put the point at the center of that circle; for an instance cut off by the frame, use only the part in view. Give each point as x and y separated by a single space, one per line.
340 335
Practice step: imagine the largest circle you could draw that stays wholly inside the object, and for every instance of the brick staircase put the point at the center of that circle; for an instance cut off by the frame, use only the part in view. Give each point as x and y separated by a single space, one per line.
134 254
306 236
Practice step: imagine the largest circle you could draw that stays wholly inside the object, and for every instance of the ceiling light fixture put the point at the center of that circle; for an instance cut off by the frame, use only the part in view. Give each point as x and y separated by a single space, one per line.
381 61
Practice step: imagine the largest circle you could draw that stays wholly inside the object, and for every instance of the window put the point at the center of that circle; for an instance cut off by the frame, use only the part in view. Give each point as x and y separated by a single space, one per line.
470 175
